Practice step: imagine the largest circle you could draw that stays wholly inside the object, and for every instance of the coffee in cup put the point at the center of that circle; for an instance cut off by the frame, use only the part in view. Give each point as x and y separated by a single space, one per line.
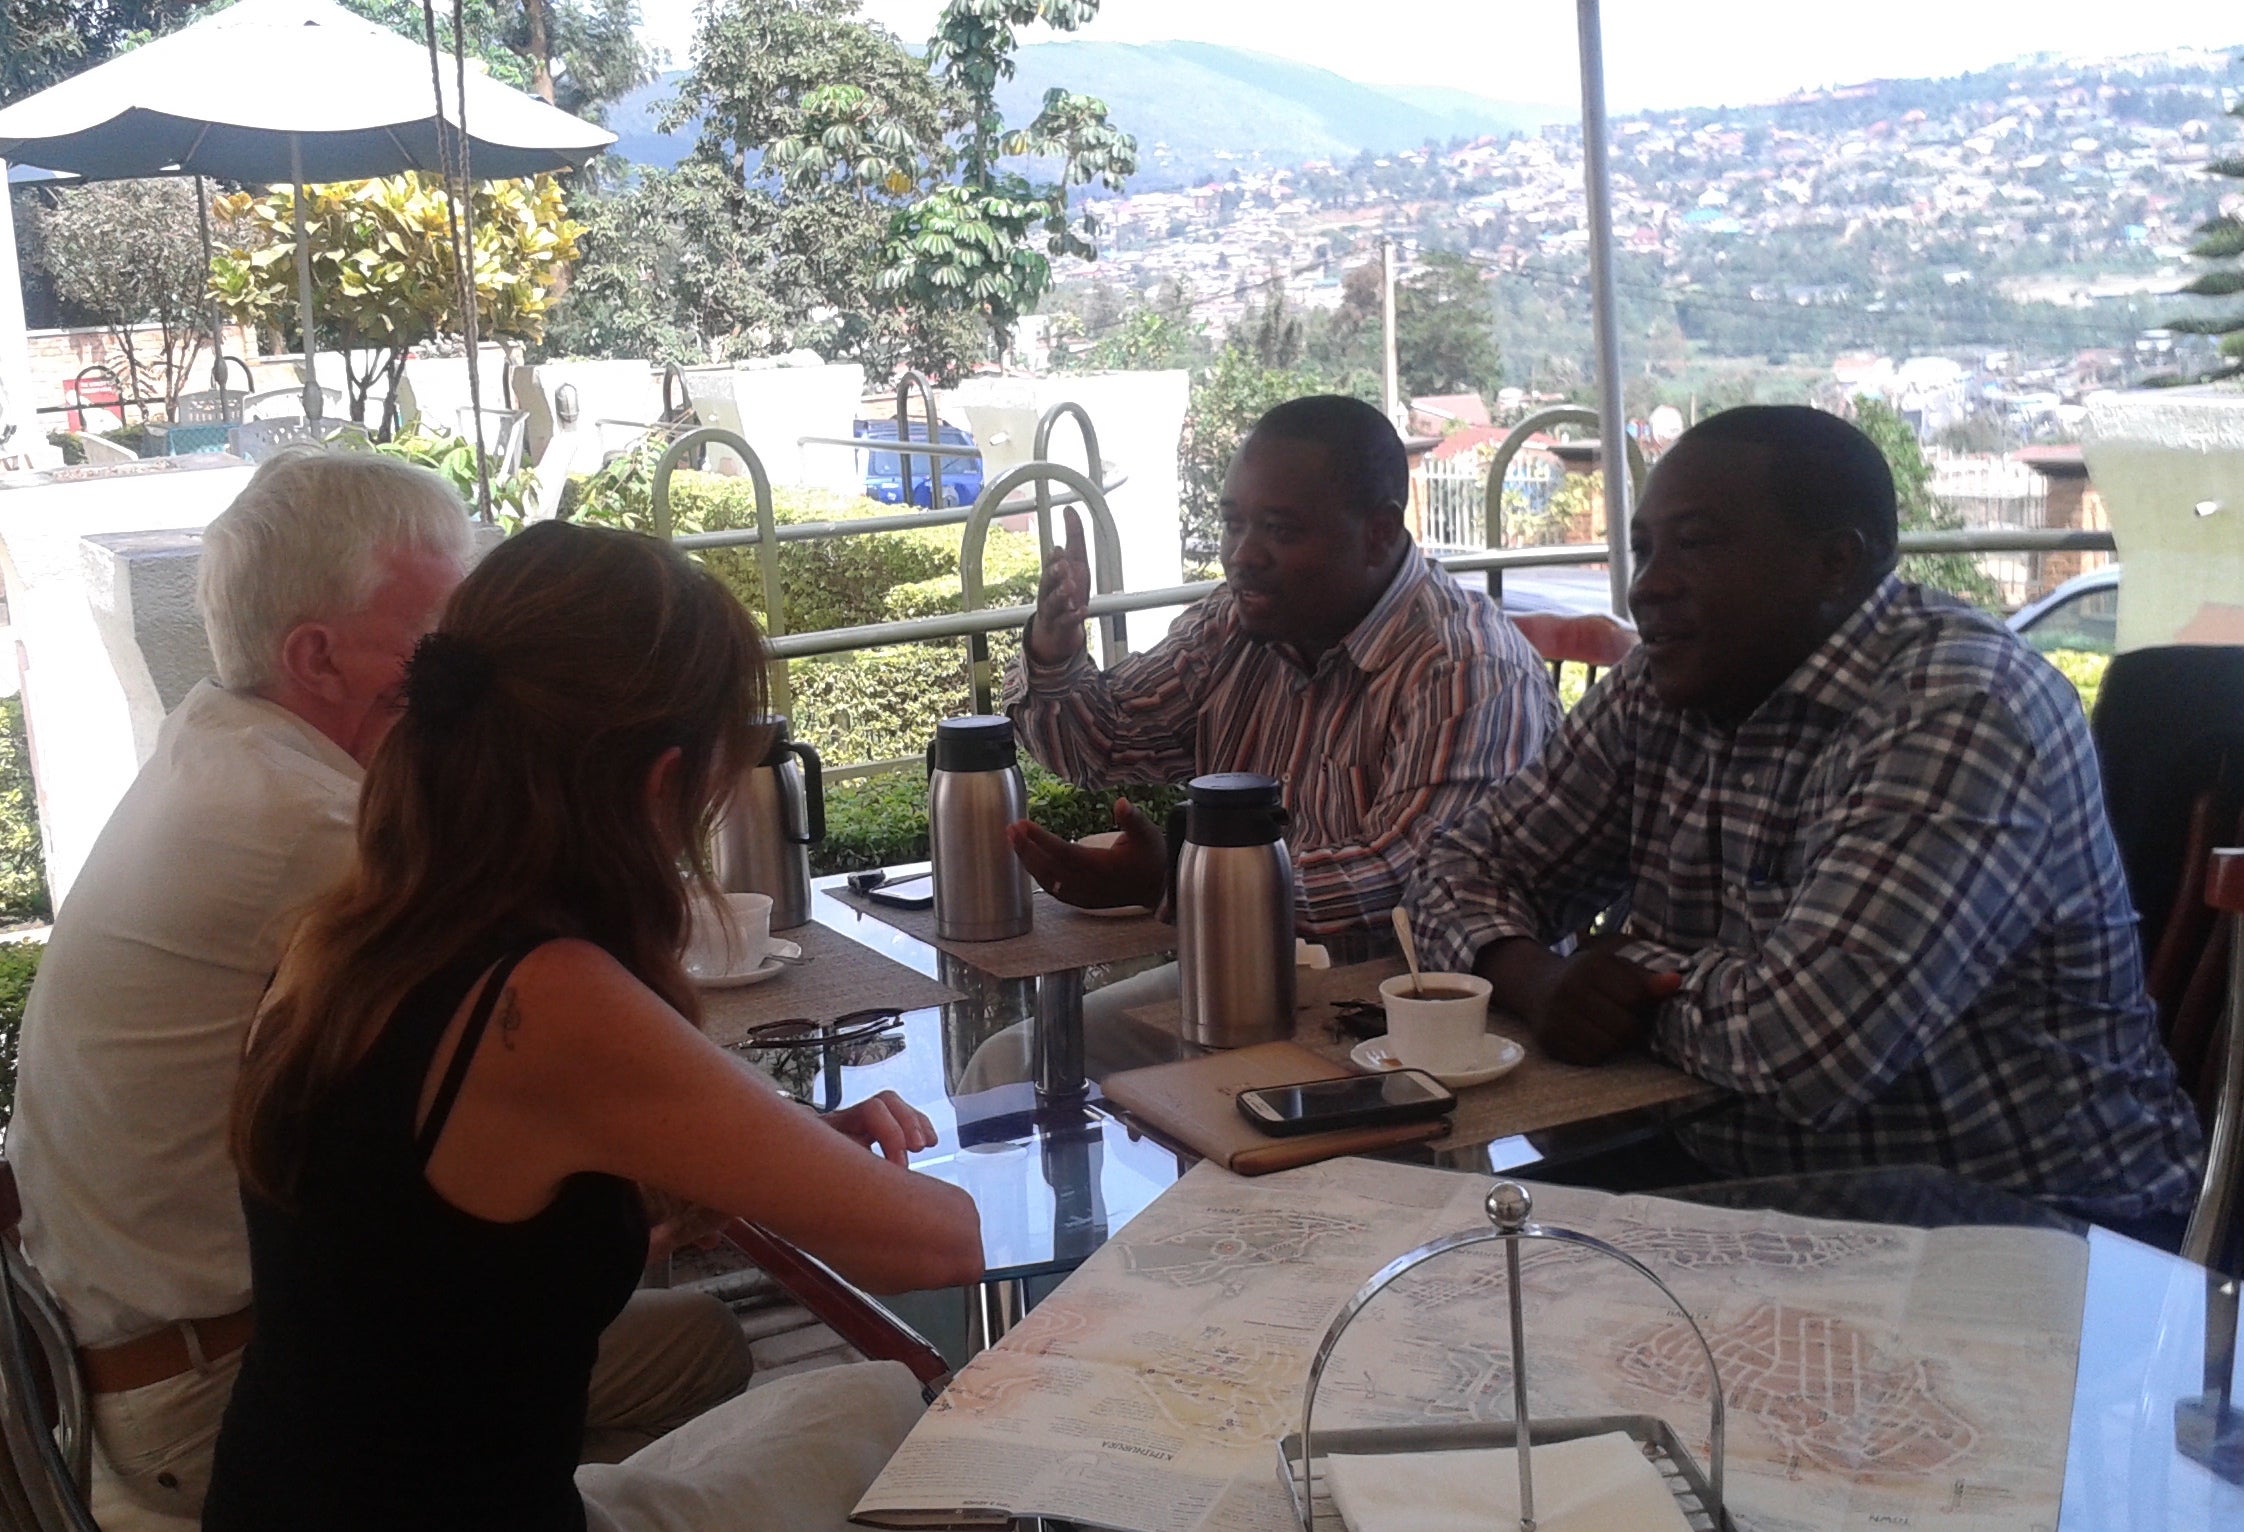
1437 1021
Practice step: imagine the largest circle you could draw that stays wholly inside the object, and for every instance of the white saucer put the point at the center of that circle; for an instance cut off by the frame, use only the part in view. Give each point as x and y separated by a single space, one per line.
771 966
1499 1056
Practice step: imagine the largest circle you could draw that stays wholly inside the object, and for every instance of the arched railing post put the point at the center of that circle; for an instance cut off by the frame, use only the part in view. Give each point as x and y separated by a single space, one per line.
1041 451
1106 570
1492 493
767 532
912 381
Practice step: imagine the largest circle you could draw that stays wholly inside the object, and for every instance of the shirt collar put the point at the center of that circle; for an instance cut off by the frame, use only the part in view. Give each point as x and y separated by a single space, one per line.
1843 672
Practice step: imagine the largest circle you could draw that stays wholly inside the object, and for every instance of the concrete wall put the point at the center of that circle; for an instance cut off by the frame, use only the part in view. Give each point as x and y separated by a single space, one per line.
100 586
774 407
2170 467
1139 417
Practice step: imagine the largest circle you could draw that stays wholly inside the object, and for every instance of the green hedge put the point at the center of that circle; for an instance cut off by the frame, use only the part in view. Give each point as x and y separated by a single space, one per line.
23 869
19 964
880 821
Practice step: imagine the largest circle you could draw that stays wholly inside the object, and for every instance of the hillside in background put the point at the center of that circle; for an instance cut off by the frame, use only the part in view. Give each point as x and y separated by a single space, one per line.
1197 109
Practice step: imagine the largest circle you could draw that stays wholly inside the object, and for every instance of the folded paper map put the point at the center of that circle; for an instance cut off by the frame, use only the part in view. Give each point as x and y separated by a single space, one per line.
1876 1376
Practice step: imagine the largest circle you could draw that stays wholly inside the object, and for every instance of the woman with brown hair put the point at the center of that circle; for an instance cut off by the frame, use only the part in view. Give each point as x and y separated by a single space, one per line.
478 1050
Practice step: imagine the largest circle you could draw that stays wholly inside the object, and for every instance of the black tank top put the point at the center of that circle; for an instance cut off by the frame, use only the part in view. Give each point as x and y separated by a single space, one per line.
414 1366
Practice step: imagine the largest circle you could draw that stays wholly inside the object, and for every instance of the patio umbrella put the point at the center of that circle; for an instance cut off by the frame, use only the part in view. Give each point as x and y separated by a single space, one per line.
323 95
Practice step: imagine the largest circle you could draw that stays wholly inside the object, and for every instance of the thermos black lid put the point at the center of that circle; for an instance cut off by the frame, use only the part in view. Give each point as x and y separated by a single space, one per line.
1234 808
978 742
776 751
1234 790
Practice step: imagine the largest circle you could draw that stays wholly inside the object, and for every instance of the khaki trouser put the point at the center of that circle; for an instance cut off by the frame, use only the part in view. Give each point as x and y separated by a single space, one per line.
669 1356
792 1455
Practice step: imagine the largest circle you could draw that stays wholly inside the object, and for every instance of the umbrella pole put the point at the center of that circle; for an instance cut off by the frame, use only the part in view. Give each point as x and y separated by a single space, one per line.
304 280
217 325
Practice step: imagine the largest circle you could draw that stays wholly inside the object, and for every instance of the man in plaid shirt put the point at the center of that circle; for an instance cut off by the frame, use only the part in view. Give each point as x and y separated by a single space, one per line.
1858 836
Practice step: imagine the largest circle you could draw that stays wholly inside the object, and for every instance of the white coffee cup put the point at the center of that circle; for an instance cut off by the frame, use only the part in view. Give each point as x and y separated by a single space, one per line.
1440 1036
728 938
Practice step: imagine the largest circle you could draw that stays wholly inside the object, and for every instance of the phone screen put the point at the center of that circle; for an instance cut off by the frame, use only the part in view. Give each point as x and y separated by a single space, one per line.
1347 1097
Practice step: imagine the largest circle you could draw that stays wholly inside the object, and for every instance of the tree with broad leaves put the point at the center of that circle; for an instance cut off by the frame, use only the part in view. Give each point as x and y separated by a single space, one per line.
381 261
983 242
127 255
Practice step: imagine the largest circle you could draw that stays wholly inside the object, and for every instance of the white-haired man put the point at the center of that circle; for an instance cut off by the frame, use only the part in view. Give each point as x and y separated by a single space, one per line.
314 587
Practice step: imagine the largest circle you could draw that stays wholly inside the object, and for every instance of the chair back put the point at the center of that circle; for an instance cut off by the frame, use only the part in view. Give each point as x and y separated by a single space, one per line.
2216 1226
2169 732
876 1334
1592 640
46 1435
213 406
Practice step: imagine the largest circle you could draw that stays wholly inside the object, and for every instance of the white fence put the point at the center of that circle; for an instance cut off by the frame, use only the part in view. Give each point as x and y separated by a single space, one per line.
1451 499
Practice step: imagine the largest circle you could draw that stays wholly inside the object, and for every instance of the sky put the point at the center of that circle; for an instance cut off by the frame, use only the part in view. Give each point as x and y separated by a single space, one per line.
1658 53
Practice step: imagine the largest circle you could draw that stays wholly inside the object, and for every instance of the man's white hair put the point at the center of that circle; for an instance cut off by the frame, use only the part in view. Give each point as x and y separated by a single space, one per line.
307 541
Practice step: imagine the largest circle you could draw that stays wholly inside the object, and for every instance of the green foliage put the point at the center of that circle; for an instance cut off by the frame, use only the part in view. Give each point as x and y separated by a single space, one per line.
1228 397
880 821
1445 339
1958 574
126 254
878 704
2219 240
2084 669
453 456
19 965
970 245
23 868
382 266
44 42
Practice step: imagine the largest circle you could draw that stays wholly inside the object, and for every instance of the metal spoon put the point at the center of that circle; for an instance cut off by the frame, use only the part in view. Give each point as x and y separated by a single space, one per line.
1410 951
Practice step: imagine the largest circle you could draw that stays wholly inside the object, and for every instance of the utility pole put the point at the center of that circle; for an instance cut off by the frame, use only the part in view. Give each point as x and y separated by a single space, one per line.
1392 391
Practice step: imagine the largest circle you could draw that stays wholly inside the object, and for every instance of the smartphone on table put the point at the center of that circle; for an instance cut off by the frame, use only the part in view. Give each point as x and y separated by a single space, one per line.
1352 1101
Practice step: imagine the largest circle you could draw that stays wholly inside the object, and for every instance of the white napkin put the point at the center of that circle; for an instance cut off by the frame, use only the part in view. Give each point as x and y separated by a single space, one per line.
1592 1484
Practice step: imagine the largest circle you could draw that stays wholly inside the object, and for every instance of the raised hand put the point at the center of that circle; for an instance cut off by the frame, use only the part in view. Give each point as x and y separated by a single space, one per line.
1063 600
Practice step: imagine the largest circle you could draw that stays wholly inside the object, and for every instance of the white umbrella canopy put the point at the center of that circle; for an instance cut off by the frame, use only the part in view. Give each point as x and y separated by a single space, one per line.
312 93
243 93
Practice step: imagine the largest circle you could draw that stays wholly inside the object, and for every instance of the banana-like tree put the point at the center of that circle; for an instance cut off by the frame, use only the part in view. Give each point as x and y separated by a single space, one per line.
382 268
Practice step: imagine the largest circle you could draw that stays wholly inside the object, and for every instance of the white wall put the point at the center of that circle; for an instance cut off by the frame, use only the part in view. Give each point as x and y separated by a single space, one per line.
1139 417
2156 456
774 407
90 703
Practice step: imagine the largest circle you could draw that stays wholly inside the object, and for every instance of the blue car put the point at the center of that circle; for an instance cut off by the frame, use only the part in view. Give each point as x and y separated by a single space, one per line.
960 477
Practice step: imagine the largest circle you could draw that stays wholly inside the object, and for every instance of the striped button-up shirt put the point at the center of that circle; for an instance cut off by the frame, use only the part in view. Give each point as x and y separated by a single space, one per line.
1429 701
1897 907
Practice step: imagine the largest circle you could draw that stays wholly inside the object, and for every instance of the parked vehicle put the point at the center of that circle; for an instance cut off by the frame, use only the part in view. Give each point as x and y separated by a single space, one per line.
2082 614
934 481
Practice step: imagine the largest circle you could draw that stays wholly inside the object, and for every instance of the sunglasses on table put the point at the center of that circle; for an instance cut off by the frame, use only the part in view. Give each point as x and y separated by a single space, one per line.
802 1032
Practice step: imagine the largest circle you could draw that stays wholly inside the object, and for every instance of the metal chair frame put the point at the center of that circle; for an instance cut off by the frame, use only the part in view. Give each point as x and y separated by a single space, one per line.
46 1427
2212 1224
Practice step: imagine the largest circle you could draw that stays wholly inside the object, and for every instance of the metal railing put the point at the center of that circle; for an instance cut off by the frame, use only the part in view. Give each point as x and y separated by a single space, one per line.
1110 605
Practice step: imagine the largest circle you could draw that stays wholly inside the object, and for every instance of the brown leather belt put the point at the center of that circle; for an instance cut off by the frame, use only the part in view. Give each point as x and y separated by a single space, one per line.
188 1346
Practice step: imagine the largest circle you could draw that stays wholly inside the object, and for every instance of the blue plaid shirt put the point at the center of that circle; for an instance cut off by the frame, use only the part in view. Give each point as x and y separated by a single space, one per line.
1893 896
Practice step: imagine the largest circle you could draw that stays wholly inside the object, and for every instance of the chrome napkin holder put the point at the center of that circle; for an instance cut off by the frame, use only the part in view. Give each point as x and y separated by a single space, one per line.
1510 1212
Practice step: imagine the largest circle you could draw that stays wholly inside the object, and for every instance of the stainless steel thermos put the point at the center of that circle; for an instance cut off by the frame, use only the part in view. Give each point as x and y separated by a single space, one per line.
777 813
974 790
1234 910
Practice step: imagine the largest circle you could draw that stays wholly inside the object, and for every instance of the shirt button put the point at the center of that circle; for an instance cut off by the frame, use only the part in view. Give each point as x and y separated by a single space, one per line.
1748 780
1737 893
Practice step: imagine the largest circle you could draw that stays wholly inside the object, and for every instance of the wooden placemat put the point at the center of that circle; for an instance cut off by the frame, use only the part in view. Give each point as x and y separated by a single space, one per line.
1540 1093
842 976
1061 937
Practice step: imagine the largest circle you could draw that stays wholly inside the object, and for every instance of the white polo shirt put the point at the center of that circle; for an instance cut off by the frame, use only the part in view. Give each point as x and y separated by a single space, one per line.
133 1033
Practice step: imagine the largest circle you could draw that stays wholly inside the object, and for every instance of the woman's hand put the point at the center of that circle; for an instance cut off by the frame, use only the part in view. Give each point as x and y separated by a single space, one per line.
886 1122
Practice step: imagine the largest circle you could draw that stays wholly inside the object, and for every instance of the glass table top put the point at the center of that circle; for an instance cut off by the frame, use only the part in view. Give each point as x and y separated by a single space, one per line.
1055 1177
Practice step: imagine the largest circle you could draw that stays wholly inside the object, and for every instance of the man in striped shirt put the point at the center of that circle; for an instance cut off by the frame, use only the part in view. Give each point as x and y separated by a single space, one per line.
1335 657
1858 834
